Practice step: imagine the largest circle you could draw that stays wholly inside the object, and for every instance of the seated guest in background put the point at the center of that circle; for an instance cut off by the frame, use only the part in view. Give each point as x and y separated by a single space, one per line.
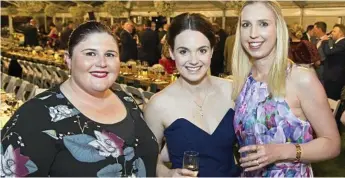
301 51
199 123
334 73
65 35
129 44
278 104
81 128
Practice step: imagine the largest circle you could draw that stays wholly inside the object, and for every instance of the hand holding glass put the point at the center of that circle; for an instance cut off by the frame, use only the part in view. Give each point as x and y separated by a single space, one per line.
191 161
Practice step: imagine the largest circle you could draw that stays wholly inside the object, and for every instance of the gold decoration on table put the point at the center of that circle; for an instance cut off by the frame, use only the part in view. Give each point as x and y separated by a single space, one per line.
9 104
114 8
165 8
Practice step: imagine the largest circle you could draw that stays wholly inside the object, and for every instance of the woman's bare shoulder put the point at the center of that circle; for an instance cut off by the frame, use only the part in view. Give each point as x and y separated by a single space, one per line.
303 76
162 98
223 84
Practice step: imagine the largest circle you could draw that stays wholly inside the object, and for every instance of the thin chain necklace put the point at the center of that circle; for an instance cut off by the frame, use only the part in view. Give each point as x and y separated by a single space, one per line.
200 107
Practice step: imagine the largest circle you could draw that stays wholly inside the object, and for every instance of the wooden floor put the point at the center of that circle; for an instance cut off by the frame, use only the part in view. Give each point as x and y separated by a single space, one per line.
334 167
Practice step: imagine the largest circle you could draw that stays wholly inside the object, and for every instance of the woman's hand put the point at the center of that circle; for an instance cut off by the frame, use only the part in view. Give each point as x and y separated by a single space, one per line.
260 156
183 173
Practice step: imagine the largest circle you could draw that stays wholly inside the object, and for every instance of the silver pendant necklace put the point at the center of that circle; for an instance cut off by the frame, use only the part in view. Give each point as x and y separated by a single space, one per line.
200 106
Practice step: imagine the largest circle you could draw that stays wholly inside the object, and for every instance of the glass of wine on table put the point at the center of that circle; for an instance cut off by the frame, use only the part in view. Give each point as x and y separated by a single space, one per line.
191 161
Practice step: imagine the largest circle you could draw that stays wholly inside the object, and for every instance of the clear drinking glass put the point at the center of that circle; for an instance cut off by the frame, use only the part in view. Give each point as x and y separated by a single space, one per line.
249 139
191 161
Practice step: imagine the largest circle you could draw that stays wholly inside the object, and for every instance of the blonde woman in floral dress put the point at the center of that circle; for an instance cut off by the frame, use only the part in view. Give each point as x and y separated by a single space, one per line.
278 104
81 128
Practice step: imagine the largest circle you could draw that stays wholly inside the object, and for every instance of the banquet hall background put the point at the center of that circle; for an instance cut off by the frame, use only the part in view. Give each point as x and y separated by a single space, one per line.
34 35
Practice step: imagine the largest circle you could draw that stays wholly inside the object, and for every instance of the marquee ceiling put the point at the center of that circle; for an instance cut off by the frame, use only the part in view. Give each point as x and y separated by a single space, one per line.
193 5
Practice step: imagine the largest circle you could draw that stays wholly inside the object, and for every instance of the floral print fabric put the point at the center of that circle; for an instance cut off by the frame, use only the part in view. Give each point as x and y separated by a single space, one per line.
270 121
74 145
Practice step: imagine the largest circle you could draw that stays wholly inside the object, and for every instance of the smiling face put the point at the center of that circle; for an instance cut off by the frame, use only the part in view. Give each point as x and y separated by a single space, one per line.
95 62
192 53
258 31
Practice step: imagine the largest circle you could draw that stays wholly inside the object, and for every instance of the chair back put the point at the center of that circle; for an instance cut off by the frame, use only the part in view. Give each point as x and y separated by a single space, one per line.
26 91
147 95
14 85
137 95
117 86
5 81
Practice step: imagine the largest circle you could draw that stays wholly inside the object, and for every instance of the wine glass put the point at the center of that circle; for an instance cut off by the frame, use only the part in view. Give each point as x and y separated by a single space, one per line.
249 139
145 64
191 161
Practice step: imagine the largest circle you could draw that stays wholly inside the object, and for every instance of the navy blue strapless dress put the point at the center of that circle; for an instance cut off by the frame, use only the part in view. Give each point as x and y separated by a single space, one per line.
215 151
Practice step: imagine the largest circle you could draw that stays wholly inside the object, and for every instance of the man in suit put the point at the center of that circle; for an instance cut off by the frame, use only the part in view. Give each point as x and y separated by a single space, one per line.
65 35
308 34
319 31
334 74
129 45
31 34
149 45
217 61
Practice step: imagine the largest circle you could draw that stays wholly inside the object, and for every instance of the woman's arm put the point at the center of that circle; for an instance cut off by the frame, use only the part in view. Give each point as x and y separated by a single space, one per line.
154 113
315 106
26 146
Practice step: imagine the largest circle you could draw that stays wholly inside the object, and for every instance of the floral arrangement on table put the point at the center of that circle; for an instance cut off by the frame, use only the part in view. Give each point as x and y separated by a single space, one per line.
165 8
114 8
157 68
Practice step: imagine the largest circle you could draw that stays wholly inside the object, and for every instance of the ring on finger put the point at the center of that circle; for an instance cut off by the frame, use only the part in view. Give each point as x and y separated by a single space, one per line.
257 162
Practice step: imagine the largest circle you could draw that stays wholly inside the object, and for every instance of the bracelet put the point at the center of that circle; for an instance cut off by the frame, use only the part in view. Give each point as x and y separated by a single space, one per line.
298 152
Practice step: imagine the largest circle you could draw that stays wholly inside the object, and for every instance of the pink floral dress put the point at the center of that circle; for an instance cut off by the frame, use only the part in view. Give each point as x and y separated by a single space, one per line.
270 121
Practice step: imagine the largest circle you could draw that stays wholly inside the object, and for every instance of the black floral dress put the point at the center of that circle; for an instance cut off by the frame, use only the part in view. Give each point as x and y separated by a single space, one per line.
49 136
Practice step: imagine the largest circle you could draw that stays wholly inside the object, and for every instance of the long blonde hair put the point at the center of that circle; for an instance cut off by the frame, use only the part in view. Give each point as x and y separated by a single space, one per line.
242 64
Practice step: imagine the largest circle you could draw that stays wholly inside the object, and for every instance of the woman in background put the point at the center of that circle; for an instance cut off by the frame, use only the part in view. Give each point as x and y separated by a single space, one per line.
301 52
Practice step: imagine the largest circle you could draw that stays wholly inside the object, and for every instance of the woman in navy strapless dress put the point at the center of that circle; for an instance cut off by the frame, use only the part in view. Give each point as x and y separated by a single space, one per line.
195 112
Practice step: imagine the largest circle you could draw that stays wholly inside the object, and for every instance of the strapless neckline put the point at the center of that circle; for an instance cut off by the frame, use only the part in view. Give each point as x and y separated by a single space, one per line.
186 121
